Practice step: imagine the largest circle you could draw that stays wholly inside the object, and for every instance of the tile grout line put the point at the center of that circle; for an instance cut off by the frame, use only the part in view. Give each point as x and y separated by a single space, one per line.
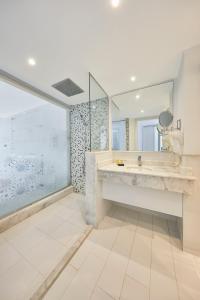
47 236
149 289
135 231
95 286
51 278
23 258
152 236
177 285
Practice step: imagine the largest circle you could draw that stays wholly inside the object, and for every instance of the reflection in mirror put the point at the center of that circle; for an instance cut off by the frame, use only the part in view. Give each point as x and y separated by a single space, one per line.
165 118
135 117
99 116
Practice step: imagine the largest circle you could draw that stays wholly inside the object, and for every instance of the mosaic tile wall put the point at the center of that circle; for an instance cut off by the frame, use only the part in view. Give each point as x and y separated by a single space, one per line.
100 124
80 143
80 136
33 146
127 134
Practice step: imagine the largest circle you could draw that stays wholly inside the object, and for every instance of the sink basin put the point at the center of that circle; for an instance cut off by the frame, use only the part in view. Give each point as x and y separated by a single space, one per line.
138 168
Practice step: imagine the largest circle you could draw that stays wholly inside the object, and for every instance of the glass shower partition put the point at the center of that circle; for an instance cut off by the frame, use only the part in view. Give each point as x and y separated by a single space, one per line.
34 148
99 116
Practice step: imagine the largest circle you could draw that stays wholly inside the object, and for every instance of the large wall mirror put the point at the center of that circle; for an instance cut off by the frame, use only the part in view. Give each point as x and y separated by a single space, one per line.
135 117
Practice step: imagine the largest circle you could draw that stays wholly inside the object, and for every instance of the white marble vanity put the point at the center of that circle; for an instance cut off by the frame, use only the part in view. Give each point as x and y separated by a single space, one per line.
164 178
158 188
159 185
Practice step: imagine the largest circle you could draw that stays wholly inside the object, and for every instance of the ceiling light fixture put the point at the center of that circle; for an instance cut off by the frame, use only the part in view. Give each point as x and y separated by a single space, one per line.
137 96
133 78
31 61
115 3
142 111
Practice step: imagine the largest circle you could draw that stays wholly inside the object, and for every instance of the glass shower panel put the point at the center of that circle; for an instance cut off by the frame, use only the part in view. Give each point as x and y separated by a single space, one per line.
34 148
99 116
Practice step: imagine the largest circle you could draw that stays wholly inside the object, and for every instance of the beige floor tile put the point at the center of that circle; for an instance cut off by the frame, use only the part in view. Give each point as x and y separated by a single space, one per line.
162 255
8 256
141 250
19 281
100 295
42 215
61 211
61 284
27 251
76 196
123 242
134 290
145 224
139 272
112 277
81 255
161 245
98 250
45 256
84 282
104 237
185 258
163 287
110 222
49 223
140 261
125 215
102 268
163 264
27 239
17 229
185 293
187 276
78 219
65 232
71 202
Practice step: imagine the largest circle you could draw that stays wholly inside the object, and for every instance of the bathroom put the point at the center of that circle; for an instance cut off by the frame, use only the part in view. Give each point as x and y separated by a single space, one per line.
99 150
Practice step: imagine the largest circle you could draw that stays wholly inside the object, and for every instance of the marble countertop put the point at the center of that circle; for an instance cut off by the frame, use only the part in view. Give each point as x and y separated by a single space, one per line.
146 170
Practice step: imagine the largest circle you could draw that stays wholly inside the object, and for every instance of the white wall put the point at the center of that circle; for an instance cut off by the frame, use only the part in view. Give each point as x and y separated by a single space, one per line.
187 108
187 100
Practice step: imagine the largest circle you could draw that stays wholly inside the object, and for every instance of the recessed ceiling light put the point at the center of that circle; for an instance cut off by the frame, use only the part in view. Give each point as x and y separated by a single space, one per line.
31 61
142 111
115 3
133 78
137 96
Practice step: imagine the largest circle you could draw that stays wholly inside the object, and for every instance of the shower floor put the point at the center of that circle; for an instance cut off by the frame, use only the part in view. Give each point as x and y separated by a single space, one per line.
30 250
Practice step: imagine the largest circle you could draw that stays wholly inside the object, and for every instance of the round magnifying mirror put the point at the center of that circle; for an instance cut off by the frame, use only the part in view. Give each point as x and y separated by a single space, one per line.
165 118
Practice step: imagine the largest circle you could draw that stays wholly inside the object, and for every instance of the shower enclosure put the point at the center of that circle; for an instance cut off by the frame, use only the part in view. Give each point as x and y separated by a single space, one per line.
43 144
34 148
89 130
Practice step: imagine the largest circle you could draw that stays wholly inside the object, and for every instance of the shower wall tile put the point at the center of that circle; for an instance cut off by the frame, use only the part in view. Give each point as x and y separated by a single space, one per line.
80 136
80 143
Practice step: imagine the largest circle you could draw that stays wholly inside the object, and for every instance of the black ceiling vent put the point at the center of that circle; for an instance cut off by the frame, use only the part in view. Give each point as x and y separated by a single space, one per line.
68 87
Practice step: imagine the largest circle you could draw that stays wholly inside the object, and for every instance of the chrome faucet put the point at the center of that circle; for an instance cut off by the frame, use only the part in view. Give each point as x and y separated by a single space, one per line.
139 160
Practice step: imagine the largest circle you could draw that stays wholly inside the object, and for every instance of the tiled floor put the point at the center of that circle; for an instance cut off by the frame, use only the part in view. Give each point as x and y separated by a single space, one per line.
132 256
30 250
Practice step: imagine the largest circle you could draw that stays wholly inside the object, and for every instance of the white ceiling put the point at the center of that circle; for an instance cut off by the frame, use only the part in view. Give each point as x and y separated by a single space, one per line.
69 38
151 103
